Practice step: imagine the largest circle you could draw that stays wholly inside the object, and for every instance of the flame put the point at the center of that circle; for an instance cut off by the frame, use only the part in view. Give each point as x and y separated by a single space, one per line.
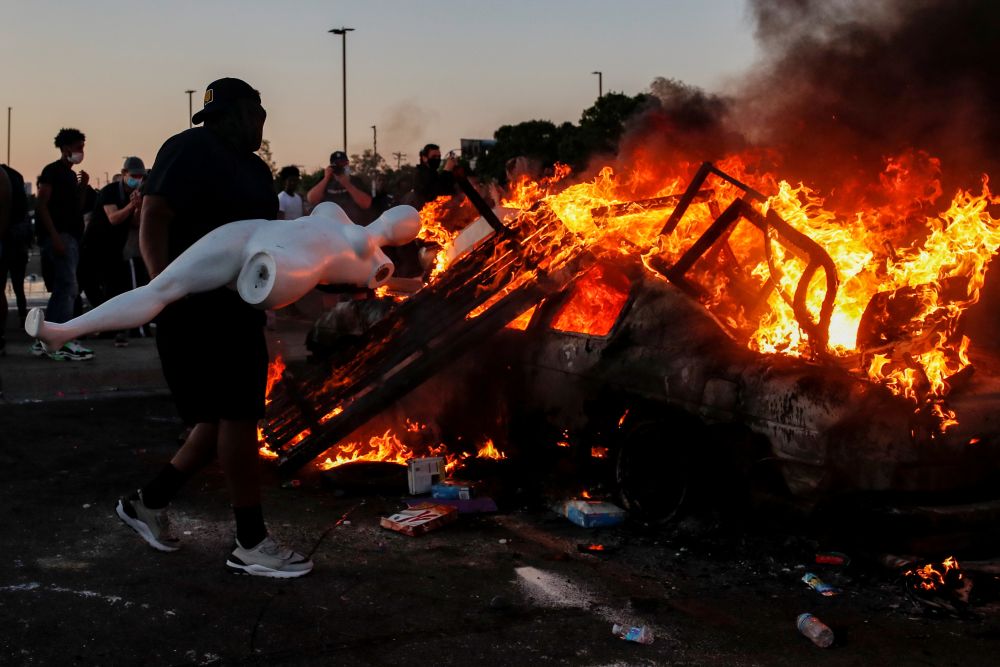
489 451
386 447
599 452
275 369
906 265
932 577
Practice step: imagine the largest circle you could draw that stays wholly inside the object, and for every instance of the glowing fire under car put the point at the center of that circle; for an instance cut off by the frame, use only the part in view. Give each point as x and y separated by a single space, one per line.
835 335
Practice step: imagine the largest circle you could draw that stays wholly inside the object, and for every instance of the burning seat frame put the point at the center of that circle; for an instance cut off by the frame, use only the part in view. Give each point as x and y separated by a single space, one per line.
483 291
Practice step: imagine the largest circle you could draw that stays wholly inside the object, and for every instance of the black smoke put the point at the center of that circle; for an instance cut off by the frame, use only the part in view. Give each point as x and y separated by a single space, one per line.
845 83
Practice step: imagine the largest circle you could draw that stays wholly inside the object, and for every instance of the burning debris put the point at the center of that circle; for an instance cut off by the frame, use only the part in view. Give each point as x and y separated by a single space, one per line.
939 586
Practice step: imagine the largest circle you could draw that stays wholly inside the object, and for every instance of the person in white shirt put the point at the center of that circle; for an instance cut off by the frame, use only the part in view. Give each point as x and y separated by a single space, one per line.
289 201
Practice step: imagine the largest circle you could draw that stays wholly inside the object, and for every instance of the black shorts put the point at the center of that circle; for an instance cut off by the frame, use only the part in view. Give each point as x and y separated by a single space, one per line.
214 357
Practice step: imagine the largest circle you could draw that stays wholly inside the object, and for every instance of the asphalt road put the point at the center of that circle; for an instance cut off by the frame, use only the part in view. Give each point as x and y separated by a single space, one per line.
77 587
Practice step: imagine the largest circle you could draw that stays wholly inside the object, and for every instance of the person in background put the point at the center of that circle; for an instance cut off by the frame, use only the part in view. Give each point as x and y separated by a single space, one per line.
289 200
109 256
14 244
59 212
211 344
433 180
347 191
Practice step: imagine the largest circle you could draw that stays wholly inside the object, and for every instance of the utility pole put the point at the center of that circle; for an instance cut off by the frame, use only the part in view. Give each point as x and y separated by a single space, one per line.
343 35
375 142
600 84
8 134
190 108
399 158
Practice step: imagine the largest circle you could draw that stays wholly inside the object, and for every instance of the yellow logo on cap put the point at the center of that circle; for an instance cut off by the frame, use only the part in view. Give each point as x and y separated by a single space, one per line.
208 96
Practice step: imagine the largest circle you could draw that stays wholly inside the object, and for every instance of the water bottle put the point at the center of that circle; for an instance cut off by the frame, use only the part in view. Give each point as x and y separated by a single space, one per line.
815 629
640 634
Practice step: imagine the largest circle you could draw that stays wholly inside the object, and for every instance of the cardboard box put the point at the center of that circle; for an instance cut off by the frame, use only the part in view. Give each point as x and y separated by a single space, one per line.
422 474
420 519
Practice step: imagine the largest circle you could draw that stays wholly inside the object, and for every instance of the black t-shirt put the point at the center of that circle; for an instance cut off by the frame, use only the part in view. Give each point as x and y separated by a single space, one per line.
339 195
64 204
430 184
207 183
18 199
101 237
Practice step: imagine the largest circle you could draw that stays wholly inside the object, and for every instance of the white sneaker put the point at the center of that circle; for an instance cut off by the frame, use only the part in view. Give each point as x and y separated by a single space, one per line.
268 559
151 525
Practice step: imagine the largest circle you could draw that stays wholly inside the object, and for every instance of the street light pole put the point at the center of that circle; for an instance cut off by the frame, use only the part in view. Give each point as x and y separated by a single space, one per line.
600 84
190 108
8 134
343 34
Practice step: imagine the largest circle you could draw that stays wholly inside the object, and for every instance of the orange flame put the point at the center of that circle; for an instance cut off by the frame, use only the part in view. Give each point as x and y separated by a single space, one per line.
932 576
386 447
489 451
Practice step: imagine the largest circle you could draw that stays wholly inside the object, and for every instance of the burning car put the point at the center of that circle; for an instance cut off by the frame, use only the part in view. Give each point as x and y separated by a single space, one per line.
691 319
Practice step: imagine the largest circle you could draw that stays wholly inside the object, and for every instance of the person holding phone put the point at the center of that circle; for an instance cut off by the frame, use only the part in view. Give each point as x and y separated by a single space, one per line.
339 186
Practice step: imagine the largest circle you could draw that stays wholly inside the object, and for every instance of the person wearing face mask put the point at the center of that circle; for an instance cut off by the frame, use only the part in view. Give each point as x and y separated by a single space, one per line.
347 191
59 214
211 343
433 181
110 262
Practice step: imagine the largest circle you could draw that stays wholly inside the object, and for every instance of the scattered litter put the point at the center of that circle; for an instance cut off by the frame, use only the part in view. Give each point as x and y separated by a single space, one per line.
420 519
819 585
470 506
86 506
598 549
345 523
639 634
815 629
832 558
592 513
503 540
550 590
894 562
422 474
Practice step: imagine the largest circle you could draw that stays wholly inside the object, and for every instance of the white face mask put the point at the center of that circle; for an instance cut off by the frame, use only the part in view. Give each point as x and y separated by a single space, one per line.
75 158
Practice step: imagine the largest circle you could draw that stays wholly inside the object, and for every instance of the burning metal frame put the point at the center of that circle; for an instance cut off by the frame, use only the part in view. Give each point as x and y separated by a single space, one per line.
510 271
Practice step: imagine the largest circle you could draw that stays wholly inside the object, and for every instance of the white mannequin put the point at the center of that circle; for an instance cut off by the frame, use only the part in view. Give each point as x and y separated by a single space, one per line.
270 263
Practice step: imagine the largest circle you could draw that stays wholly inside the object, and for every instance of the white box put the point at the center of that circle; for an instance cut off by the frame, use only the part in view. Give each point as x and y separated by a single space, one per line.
421 474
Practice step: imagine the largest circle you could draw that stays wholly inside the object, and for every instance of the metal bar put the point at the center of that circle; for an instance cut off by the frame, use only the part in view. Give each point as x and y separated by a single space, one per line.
687 198
754 194
706 240
643 205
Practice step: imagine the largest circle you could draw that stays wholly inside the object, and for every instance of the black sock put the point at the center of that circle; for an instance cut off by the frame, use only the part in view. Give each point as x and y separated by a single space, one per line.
250 529
159 492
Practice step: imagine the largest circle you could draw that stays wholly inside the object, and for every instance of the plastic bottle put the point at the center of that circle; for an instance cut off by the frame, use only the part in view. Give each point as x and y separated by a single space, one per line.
639 633
815 629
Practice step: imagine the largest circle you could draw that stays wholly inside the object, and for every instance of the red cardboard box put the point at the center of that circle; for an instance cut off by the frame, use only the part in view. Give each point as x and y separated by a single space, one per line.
420 519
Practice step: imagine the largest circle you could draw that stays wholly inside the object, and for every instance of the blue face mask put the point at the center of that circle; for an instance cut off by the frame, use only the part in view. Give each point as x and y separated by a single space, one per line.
132 182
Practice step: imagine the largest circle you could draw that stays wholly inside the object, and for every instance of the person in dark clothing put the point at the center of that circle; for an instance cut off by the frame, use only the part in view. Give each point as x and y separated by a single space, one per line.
343 189
211 344
433 181
59 210
109 255
15 239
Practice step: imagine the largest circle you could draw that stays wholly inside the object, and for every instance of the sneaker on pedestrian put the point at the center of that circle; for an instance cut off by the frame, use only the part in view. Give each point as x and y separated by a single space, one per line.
151 525
37 349
73 351
121 339
268 559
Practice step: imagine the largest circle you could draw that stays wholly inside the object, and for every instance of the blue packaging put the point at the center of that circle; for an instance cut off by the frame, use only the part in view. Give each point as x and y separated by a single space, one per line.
452 490
592 513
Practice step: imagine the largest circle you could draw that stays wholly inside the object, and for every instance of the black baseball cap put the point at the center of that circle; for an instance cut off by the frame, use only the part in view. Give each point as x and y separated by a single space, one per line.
338 156
222 94
134 165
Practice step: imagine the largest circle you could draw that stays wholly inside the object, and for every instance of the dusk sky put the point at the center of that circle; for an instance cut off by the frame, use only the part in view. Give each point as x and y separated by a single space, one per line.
432 71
